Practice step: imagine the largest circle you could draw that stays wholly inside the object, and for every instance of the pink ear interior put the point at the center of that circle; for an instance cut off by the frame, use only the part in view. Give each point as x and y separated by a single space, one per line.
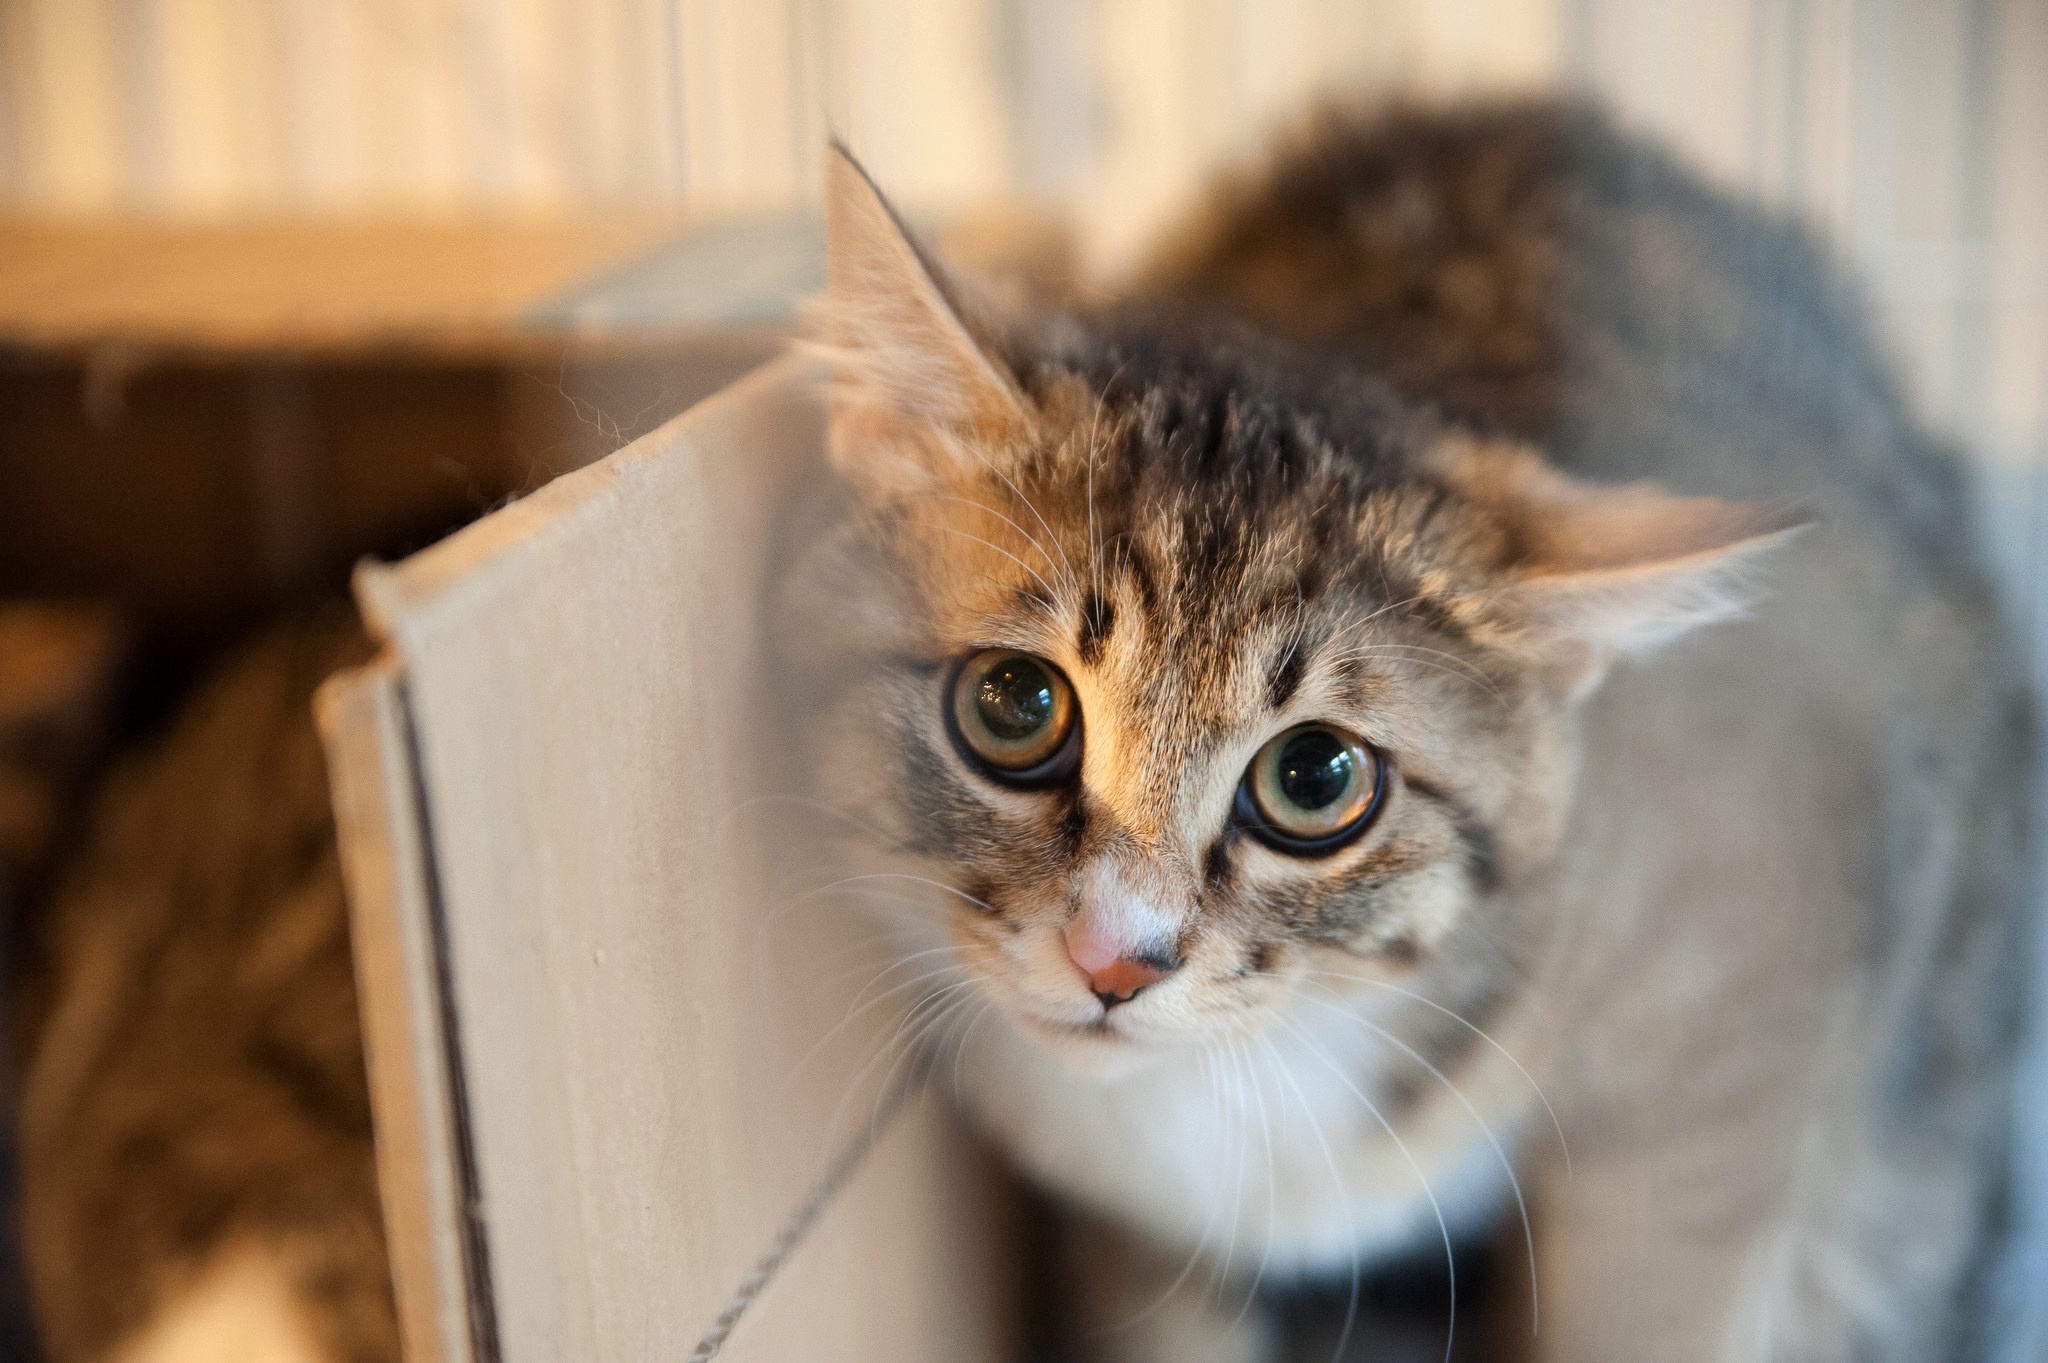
1606 571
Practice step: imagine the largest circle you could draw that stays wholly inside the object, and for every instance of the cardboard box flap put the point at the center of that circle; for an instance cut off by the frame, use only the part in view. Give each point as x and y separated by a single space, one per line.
653 1048
392 932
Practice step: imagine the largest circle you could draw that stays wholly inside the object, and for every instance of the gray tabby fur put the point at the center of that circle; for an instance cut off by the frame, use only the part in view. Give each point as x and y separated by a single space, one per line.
1743 908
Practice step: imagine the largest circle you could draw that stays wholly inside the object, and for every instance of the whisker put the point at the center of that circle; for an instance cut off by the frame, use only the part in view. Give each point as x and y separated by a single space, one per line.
855 1013
1030 506
1315 1125
1051 595
1094 431
1187 1268
910 1026
861 1003
960 1051
904 875
896 902
1443 1226
917 1051
1239 1109
1417 655
1507 1165
845 884
1477 1031
1272 1193
1029 538
1385 609
745 806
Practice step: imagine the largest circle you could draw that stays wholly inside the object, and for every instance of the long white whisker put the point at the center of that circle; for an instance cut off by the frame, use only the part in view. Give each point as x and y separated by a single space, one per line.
1051 594
911 1025
1443 1226
915 1049
1030 506
1272 1184
1507 1165
1315 1126
773 918
1215 1210
903 875
1029 538
1483 1035
1240 1110
1415 655
1386 609
1094 430
834 811
858 1009
960 1050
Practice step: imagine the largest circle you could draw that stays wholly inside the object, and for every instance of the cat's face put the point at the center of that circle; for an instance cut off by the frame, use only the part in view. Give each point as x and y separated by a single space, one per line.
1194 681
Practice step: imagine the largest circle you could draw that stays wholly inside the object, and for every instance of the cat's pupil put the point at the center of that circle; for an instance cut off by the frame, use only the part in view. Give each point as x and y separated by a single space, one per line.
1316 769
1015 699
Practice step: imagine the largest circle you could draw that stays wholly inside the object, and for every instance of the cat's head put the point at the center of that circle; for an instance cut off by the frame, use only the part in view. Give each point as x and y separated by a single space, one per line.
1196 668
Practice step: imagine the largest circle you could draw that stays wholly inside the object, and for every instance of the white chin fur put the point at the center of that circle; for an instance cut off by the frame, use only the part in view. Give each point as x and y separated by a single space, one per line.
1195 1147
1104 1054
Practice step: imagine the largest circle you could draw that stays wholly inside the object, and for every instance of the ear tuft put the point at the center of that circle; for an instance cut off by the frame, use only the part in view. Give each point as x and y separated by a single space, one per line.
1604 572
910 382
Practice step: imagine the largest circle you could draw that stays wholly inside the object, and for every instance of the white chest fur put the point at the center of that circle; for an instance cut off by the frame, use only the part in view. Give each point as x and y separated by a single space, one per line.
1281 1152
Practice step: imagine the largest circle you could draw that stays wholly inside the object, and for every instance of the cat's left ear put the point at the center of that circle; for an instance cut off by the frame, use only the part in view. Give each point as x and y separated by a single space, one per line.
913 391
1602 572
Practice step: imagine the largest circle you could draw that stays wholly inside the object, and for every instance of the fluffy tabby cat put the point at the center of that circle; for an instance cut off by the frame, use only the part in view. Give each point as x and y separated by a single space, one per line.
1336 753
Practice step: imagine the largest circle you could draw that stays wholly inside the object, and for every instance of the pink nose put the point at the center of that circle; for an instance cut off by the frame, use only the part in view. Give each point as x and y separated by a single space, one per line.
1114 972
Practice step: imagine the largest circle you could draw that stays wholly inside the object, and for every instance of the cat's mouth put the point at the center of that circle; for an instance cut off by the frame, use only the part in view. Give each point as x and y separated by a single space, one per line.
1101 1029
1104 1048
1105 1034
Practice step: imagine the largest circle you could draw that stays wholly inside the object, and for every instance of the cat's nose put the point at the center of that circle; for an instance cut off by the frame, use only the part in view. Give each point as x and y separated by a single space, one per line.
1115 971
1120 981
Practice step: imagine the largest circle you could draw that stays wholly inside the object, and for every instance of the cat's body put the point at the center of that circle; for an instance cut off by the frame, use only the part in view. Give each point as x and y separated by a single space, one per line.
1743 912
198 1180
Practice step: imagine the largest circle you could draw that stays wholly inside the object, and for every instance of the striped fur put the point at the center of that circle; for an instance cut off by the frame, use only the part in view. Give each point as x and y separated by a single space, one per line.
1367 445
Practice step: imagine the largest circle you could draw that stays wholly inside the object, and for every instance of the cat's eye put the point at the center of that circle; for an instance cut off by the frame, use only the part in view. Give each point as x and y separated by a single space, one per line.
1015 716
1311 790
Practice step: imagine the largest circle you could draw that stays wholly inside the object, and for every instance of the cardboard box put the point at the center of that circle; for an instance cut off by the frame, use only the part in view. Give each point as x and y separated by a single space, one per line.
626 1094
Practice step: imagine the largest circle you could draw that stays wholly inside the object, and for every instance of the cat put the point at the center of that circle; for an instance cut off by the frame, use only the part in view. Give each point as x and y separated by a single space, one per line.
195 1146
1459 694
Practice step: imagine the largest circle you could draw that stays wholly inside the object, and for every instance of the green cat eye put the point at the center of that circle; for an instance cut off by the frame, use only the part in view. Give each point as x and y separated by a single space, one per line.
1014 716
1311 789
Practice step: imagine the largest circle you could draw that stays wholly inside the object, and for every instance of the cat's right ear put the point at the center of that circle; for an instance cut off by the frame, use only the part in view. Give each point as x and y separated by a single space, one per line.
913 392
1602 571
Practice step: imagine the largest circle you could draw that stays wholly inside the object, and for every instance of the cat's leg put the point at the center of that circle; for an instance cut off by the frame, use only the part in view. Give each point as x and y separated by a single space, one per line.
1132 1302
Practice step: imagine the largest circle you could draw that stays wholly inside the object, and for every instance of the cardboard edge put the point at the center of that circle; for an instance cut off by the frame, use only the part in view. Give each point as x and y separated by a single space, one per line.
360 713
393 595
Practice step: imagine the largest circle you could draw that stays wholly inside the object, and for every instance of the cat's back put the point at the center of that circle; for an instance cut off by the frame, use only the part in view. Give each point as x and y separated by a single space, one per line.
1531 269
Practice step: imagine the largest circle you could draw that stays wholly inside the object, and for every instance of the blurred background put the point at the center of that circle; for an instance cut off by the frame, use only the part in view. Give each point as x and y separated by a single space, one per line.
1908 132
286 281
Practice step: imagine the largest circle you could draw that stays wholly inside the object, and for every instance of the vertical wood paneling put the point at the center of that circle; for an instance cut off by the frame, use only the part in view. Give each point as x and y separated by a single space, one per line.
323 167
63 85
739 99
